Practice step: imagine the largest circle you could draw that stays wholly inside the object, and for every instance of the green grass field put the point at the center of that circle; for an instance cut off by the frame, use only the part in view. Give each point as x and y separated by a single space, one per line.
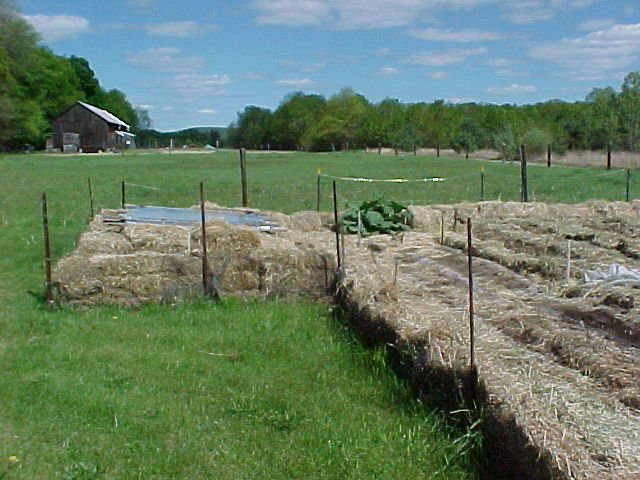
231 390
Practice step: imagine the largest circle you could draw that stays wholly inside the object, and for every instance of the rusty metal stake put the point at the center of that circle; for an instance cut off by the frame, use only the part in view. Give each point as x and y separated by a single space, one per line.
206 286
335 218
472 364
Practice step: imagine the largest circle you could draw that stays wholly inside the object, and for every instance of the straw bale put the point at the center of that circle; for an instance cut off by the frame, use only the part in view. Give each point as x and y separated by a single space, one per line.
149 263
93 241
311 221
158 238
124 279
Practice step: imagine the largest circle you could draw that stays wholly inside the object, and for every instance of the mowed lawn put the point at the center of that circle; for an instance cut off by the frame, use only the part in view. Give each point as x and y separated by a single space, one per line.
230 390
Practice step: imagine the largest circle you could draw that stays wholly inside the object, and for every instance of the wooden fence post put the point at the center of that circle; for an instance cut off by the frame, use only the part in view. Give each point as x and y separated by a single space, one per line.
243 177
524 194
318 191
609 156
90 199
206 278
482 183
122 195
628 184
47 251
548 155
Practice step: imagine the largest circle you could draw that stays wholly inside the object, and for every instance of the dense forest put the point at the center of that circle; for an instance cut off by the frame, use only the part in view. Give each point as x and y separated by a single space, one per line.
348 120
36 85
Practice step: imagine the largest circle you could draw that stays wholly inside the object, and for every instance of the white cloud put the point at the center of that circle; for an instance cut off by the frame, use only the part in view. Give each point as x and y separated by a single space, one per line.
383 52
166 59
192 85
504 67
440 75
597 53
299 67
596 24
387 71
290 12
447 57
532 11
374 14
185 29
354 14
296 82
499 62
460 36
206 111
54 28
511 89
141 3
458 100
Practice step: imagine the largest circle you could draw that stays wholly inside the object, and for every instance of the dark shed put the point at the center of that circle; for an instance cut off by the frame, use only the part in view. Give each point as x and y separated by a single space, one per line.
83 127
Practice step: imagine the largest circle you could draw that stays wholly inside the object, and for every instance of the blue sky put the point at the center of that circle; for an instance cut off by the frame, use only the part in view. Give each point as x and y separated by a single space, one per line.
199 62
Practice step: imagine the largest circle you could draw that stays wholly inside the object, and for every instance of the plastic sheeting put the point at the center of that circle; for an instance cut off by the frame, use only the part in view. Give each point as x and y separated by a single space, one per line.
615 275
189 216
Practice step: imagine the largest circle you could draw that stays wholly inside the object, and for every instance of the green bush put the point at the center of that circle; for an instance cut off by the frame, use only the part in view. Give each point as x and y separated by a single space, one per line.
377 216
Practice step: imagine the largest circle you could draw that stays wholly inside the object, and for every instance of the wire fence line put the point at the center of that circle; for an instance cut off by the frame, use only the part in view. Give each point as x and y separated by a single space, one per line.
475 186
617 185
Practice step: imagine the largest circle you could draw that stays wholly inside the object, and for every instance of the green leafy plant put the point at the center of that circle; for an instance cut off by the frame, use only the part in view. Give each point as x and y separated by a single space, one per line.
376 216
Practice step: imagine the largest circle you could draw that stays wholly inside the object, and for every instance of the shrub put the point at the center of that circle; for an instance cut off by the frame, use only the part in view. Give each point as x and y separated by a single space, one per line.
377 216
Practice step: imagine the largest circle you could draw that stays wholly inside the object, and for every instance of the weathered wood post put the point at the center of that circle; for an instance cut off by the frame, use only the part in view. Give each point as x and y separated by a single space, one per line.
122 195
337 223
628 184
568 264
524 194
243 177
548 156
609 156
47 252
482 183
318 191
90 199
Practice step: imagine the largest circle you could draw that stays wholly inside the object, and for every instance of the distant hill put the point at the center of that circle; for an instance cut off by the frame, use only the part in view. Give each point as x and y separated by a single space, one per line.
191 137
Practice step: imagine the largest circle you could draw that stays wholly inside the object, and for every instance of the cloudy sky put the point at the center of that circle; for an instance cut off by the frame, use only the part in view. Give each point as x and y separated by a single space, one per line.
199 62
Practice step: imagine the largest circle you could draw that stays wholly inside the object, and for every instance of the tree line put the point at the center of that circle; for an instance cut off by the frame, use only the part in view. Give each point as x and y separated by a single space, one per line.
348 120
36 85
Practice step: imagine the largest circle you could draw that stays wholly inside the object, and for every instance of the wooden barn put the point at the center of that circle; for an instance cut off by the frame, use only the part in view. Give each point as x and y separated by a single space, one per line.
85 128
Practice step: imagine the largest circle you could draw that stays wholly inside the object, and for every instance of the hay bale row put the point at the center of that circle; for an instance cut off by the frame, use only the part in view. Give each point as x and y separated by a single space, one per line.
133 264
568 407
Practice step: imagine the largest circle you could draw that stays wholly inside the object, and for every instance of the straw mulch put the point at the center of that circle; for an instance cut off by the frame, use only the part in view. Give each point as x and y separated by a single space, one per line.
133 264
550 366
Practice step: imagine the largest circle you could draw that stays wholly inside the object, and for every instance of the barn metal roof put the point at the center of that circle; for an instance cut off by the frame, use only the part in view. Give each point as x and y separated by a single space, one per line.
108 117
